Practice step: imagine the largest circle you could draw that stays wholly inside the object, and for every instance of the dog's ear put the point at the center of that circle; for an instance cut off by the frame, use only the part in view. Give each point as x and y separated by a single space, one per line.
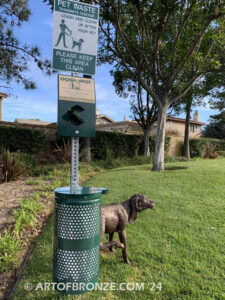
134 207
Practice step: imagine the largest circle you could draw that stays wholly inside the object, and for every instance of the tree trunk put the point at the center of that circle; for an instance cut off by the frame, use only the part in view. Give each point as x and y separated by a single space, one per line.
186 151
146 143
87 150
158 164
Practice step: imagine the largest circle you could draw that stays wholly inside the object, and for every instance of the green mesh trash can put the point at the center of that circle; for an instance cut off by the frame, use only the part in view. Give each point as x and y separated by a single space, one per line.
77 238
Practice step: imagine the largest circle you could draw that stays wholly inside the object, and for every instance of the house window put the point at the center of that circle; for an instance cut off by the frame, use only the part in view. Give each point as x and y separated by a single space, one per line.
170 125
193 128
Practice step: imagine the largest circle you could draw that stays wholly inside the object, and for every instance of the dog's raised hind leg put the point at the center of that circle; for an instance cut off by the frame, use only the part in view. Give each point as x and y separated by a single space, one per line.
111 244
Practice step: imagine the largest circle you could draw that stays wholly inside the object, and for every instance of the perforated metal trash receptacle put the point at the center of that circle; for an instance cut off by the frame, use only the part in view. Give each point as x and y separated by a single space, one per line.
77 238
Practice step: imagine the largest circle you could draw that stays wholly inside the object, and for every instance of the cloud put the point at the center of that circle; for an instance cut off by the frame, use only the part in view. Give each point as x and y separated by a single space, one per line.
48 22
110 104
30 107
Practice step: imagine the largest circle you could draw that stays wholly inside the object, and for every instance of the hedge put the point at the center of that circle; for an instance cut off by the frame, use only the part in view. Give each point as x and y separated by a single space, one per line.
114 144
105 144
199 147
119 145
24 140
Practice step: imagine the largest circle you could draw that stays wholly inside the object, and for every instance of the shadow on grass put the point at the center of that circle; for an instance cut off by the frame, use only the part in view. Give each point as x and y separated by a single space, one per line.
140 168
174 168
146 168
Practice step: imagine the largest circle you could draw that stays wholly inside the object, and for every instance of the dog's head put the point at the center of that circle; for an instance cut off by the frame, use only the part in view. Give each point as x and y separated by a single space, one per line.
137 204
81 40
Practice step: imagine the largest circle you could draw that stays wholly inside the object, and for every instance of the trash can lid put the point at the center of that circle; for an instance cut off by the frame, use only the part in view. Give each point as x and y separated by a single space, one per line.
81 190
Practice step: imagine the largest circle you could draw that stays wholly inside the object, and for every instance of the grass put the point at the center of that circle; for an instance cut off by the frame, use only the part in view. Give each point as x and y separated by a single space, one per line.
25 216
13 241
179 244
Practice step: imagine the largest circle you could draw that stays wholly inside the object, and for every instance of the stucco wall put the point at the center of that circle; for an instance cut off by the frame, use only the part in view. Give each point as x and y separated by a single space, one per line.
177 128
176 146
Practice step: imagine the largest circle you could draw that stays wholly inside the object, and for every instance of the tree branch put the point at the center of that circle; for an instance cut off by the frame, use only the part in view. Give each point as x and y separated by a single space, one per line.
11 11
27 52
186 89
178 34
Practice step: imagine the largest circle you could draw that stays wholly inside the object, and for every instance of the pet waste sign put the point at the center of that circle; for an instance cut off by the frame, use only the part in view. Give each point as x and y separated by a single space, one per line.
75 37
76 106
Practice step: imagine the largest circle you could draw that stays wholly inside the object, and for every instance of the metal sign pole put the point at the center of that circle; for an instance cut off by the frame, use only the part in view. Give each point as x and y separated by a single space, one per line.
74 172
74 175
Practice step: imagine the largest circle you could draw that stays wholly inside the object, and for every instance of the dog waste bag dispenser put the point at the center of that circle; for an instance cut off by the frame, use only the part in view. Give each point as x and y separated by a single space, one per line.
76 106
77 238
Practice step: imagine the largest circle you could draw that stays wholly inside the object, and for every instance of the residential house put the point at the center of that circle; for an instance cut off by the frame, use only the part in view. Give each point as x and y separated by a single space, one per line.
175 128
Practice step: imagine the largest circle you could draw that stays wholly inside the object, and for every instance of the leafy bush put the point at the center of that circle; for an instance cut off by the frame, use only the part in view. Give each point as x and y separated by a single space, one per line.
105 144
11 166
221 153
152 140
24 140
111 145
210 153
28 161
199 147
63 151
115 145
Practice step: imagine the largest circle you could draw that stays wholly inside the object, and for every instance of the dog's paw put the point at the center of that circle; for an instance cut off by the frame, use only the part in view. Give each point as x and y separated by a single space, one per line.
129 262
119 245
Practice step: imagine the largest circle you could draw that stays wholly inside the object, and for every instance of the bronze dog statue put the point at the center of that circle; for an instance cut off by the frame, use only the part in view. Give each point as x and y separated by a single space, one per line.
115 218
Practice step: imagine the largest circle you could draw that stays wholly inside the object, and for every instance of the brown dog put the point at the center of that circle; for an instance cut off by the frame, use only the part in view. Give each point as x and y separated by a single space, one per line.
115 218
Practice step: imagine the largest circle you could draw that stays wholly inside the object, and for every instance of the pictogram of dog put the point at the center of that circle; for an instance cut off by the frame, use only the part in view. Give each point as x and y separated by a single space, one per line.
78 44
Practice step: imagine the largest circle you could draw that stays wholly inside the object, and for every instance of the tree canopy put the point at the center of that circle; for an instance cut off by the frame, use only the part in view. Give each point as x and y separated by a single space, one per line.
14 55
175 43
166 46
216 126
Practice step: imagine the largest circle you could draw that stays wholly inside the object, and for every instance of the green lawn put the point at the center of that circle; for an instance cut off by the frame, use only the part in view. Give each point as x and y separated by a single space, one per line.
180 244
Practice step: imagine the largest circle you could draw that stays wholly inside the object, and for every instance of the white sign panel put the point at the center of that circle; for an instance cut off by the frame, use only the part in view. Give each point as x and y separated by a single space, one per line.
76 89
75 36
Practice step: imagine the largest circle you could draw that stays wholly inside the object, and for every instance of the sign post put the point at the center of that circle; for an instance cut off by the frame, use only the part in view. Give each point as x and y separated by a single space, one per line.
74 176
76 115
77 208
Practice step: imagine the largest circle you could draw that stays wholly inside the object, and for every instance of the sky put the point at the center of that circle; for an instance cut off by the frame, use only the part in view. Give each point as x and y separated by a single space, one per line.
41 103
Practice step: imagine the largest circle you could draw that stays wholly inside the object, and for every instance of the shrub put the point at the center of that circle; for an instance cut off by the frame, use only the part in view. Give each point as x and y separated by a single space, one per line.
11 166
199 147
152 140
210 153
63 151
24 140
115 145
221 153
